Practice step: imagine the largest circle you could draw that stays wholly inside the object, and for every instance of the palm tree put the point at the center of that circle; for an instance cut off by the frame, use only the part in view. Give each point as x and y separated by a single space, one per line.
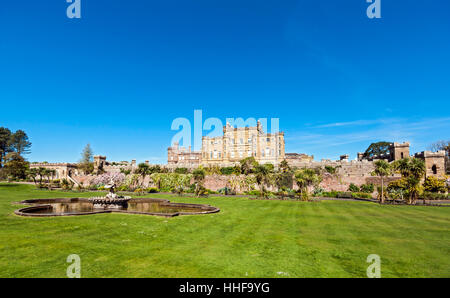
248 165
305 178
382 169
199 177
33 173
143 170
234 182
263 177
41 173
413 170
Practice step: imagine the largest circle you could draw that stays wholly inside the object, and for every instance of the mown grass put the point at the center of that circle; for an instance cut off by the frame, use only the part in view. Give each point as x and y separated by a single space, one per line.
248 238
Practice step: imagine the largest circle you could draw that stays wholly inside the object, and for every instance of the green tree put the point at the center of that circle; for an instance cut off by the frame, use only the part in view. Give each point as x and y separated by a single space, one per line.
377 149
143 170
353 188
20 143
306 178
5 144
33 173
284 177
263 177
382 169
412 170
16 166
181 170
248 164
284 166
87 156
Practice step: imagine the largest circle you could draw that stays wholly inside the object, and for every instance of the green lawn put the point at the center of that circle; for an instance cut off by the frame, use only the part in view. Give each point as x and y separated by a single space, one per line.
247 238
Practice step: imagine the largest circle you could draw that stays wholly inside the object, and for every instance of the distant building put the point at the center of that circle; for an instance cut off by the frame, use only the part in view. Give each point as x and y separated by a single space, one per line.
297 159
240 142
181 156
235 144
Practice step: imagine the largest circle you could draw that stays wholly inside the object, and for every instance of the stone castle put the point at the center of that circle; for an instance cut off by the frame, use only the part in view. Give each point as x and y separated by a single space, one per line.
235 144
238 143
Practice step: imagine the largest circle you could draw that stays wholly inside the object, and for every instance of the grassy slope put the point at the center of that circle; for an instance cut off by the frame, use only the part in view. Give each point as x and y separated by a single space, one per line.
247 238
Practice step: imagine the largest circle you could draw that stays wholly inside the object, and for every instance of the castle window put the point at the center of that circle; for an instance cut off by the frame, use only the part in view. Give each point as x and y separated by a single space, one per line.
241 141
434 169
268 140
401 155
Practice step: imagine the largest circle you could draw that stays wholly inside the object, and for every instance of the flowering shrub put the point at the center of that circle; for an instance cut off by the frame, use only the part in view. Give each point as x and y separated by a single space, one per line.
106 178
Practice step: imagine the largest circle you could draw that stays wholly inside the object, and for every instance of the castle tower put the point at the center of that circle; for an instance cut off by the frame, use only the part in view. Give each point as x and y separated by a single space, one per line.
99 163
399 151
434 163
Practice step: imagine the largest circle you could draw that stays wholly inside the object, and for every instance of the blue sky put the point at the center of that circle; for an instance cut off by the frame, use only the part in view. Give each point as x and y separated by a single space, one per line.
119 76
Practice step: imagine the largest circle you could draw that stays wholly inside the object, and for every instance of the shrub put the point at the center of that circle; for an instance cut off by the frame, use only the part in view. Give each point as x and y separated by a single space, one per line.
397 185
367 188
433 184
139 190
201 191
66 185
353 188
253 193
227 170
433 196
152 190
226 191
120 188
361 195
330 194
344 195
286 192
330 169
318 191
181 170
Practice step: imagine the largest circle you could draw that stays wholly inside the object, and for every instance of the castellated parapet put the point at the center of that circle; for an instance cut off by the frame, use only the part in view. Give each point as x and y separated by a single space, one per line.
434 163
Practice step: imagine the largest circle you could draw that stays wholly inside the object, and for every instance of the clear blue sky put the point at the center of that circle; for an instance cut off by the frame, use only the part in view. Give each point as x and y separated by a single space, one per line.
117 77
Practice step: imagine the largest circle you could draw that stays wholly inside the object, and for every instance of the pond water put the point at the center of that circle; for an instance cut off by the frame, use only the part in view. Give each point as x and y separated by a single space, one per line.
81 206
